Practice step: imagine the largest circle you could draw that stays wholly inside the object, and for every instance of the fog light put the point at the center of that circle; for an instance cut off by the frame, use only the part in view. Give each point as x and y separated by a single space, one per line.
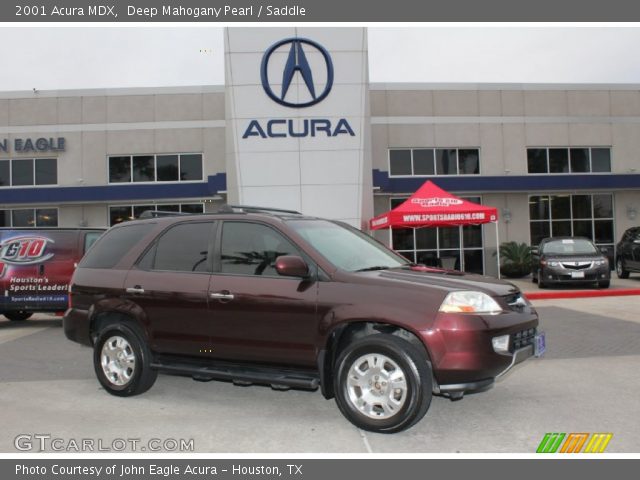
500 344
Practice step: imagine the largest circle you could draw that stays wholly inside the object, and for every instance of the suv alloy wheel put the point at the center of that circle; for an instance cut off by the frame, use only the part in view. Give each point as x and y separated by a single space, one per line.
122 361
383 383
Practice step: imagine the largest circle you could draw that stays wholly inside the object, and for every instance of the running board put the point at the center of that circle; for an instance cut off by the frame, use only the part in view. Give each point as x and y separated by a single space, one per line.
240 374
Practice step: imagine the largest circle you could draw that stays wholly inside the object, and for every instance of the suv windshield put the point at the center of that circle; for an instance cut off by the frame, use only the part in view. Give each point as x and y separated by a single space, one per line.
569 246
345 247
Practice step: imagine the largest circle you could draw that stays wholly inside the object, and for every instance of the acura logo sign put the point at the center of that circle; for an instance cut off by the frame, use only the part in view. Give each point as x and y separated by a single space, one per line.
297 73
317 84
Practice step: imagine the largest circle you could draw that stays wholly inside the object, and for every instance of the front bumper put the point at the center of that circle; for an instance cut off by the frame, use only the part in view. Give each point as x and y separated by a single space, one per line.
563 275
518 356
462 353
456 389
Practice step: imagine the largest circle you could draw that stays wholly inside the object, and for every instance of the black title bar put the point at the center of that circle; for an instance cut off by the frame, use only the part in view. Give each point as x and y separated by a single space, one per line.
304 469
320 11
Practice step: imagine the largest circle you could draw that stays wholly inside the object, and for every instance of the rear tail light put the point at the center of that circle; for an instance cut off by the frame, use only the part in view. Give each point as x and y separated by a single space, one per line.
69 298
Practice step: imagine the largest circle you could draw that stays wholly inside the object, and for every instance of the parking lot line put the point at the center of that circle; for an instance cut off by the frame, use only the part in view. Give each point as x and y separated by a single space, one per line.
365 440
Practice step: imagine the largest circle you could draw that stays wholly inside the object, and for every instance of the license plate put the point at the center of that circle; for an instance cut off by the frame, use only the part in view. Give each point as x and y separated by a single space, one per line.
540 345
577 274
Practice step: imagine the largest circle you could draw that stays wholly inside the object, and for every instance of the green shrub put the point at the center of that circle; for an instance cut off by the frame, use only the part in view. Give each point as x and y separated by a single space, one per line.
515 259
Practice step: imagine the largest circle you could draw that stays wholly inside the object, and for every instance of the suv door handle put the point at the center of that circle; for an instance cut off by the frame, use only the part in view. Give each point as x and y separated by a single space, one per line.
136 289
223 296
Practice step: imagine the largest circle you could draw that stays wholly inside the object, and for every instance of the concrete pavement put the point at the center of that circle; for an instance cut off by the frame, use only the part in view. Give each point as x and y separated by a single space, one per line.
587 382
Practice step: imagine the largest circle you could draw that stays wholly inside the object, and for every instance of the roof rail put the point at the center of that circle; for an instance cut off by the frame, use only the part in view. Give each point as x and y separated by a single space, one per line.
250 209
161 213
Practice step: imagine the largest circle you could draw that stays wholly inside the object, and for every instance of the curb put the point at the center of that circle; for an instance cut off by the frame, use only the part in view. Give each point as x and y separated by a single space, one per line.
619 292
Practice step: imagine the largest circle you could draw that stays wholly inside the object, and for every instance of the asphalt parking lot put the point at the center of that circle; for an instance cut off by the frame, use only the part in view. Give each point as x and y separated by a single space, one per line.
588 381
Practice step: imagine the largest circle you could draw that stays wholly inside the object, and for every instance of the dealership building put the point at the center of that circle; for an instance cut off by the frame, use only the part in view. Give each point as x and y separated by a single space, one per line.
298 126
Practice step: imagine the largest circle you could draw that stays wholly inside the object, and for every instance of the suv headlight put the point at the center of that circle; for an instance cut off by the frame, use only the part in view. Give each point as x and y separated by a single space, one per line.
601 262
469 302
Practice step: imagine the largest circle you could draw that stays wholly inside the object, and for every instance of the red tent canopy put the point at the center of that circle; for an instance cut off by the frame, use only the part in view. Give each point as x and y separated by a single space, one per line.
431 206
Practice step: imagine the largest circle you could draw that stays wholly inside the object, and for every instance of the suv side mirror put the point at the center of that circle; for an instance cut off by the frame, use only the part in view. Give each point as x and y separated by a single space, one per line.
604 250
292 266
535 251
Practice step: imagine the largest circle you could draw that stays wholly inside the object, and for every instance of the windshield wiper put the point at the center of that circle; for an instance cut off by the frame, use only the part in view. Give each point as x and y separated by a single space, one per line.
371 269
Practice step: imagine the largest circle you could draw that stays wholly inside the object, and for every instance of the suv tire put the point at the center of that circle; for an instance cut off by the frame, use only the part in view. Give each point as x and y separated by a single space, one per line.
18 315
366 371
620 270
122 361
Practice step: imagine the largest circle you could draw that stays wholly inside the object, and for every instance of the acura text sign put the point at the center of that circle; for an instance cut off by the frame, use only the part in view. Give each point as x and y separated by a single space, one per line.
315 84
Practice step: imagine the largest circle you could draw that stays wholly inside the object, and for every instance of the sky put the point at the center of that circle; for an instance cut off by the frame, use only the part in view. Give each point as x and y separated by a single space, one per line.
55 58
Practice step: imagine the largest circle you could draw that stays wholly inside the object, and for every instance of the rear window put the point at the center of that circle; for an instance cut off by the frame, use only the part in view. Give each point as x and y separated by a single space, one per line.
114 244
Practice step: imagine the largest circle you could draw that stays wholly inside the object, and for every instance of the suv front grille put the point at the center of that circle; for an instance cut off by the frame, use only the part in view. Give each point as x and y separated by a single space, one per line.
521 339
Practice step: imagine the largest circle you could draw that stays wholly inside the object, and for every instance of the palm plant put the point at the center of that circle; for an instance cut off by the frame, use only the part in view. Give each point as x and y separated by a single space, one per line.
515 259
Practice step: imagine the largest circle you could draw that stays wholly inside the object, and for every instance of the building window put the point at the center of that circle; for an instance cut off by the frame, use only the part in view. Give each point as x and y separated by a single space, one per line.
25 172
143 168
417 162
186 167
589 216
46 171
458 248
168 168
121 213
29 217
22 172
569 160
119 169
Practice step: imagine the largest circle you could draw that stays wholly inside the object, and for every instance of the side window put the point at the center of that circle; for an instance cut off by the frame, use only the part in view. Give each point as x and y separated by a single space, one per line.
114 245
184 248
89 239
252 249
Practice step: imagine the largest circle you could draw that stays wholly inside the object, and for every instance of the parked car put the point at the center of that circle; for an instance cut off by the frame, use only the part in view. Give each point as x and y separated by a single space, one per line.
263 296
628 253
36 267
562 260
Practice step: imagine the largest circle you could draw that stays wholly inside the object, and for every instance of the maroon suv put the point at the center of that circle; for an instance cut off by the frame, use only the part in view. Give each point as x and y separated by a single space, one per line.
263 296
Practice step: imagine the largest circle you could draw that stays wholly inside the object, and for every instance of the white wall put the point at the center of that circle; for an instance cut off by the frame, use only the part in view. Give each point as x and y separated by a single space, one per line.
323 176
